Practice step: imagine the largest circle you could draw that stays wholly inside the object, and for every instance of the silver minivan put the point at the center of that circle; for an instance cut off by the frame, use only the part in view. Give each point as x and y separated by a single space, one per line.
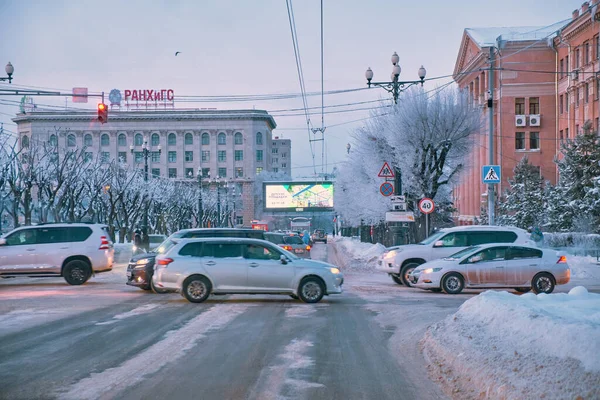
198 267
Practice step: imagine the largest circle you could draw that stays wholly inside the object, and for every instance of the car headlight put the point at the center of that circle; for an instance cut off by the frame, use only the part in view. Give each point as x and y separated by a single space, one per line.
141 263
334 270
430 270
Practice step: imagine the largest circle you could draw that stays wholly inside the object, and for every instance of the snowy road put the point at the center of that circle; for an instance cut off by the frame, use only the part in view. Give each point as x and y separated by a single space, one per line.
108 340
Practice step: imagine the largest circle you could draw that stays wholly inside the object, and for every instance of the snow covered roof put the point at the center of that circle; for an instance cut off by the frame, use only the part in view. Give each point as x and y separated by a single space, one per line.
485 37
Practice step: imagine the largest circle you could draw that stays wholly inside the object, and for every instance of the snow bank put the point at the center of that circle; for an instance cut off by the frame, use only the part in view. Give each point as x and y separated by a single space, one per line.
584 268
354 255
504 346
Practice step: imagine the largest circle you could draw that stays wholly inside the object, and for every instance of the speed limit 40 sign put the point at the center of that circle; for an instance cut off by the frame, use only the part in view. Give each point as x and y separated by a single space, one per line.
426 205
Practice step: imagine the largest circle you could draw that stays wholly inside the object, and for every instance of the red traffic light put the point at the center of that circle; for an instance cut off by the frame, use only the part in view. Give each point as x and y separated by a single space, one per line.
102 113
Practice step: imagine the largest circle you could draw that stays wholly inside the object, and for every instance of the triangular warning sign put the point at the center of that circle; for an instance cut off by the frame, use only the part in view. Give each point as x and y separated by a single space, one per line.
491 175
386 171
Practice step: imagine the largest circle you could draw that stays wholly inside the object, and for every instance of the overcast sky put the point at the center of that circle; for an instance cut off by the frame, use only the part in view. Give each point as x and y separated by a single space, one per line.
233 47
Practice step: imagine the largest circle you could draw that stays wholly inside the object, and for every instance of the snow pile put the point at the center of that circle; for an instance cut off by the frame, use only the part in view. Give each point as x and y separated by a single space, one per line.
354 255
504 346
584 268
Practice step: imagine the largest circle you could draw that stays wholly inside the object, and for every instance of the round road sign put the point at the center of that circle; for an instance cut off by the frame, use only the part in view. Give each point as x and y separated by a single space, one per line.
426 206
386 189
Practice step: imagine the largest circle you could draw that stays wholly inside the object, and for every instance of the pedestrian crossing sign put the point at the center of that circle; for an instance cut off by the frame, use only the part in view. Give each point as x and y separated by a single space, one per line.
490 174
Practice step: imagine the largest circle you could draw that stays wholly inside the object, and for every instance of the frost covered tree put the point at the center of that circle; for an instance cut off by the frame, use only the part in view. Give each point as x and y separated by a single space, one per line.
523 203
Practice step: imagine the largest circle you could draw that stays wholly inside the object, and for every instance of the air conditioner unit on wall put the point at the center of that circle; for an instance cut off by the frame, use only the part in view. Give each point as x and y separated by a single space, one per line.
520 120
534 120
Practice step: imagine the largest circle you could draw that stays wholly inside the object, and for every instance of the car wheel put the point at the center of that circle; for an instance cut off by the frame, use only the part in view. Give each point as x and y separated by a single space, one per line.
397 279
293 296
406 270
453 283
156 289
311 290
196 289
77 272
543 283
522 289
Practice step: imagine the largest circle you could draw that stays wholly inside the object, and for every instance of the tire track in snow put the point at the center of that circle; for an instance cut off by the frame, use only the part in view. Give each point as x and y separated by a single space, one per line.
109 383
136 311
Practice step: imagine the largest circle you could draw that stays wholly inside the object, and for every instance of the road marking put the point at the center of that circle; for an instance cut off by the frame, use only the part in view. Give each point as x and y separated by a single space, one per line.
109 383
136 311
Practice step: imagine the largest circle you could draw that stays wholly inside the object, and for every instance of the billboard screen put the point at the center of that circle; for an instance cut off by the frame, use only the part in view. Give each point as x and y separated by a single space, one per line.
298 196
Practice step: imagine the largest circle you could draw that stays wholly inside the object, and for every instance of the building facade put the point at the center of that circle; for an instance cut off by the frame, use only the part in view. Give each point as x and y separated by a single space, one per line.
524 107
231 146
281 156
578 53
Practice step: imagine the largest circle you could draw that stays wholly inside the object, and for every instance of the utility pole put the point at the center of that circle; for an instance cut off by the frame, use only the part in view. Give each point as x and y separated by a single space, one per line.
491 199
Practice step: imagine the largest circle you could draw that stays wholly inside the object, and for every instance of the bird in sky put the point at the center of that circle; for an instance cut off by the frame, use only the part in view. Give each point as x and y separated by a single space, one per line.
177 52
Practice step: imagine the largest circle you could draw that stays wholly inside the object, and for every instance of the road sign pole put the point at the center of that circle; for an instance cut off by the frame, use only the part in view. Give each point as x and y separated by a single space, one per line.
426 225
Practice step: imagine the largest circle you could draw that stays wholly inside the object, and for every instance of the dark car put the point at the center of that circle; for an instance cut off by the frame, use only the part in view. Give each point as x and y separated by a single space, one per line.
141 266
319 236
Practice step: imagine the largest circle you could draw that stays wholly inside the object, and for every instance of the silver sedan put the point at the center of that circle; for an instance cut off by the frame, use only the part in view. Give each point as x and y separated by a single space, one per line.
496 265
198 267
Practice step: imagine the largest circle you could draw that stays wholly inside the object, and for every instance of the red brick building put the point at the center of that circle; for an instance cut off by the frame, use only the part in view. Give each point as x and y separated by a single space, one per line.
524 104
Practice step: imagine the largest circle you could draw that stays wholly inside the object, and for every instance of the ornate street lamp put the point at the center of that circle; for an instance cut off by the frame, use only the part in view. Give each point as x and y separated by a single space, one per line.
145 154
9 71
395 86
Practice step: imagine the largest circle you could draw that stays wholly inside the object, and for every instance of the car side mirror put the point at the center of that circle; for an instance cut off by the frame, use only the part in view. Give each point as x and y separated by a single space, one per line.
283 259
2 242
439 243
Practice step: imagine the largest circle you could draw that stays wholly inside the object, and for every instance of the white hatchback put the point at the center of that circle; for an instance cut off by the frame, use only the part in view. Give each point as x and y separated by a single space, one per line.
496 265
198 267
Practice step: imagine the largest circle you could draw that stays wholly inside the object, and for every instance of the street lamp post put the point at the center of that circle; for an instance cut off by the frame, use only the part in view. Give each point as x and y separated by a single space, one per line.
395 86
9 71
145 154
218 183
200 208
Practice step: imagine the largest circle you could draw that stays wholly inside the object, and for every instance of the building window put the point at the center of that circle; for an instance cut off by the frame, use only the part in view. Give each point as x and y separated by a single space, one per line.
123 156
597 124
566 133
189 139
597 91
284 155
238 138
189 173
534 105
259 155
283 165
205 138
189 156
71 141
275 169
562 68
105 156
577 58
138 140
520 141
104 140
577 97
239 155
205 172
587 53
138 157
567 102
239 220
53 140
223 172
172 156
597 47
274 161
87 140
155 156
221 139
259 138
221 156
560 136
155 172
274 151
155 139
561 103
239 172
172 139
534 140
88 156
24 142
587 93
576 130
205 155
520 106
172 172
258 170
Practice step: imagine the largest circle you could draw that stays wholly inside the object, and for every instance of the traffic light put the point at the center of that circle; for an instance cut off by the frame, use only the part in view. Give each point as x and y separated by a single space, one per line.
102 113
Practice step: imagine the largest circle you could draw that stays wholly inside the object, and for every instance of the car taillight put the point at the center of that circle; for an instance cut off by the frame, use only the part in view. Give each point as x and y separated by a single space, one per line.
104 243
562 260
307 247
164 261
287 248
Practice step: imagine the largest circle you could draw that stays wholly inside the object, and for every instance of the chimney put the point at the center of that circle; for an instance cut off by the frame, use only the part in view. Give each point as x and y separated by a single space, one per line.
575 14
584 7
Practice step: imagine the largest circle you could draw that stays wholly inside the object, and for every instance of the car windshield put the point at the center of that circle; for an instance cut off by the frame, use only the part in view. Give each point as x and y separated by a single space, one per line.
293 240
432 238
462 253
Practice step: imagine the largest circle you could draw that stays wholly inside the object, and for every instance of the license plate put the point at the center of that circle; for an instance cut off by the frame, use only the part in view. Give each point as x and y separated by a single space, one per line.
299 251
129 274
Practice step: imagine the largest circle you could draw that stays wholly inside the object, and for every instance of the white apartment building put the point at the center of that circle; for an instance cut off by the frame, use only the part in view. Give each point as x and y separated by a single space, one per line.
281 156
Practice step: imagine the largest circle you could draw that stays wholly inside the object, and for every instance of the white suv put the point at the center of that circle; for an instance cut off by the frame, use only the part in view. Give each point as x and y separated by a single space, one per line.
400 261
72 250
